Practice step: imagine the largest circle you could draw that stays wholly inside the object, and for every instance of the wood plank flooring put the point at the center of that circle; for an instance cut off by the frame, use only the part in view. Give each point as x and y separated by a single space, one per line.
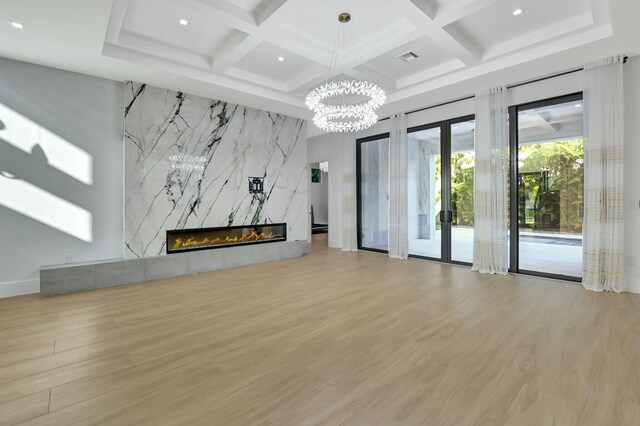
329 339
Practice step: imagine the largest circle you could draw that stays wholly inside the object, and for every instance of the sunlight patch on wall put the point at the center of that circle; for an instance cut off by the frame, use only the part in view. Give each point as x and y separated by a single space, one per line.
40 205
24 134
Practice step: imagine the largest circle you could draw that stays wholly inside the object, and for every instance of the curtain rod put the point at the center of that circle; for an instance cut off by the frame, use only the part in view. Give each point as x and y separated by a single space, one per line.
524 83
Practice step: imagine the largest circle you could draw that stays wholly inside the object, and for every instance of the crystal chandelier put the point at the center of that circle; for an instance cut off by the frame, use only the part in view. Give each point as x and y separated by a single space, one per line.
333 112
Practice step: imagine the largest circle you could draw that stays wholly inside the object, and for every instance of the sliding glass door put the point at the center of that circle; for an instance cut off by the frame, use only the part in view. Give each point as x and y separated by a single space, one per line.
547 174
440 190
373 193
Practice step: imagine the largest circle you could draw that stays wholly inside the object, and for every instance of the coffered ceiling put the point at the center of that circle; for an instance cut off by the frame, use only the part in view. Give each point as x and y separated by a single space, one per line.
242 40
230 49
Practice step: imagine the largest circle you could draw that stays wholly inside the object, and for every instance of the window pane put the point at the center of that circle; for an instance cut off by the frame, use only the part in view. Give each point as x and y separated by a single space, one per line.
463 161
550 189
374 190
424 193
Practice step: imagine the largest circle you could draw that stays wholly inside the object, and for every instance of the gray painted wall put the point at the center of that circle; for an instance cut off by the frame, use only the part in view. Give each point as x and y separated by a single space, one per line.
61 188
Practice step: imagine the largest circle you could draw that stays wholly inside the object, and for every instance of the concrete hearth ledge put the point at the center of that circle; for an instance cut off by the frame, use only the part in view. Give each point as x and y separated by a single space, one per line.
76 277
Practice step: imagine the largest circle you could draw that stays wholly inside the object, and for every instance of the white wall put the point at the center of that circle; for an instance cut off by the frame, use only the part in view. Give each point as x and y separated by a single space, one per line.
61 164
331 145
319 197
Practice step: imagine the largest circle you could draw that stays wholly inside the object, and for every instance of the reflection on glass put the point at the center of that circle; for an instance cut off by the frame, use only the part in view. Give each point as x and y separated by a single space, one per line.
424 193
374 190
550 189
463 160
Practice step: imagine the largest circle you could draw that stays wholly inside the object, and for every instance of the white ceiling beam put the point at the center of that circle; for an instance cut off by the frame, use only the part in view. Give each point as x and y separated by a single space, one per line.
383 43
450 41
455 10
234 15
316 76
266 9
309 48
429 73
161 50
425 7
554 31
371 75
235 50
601 12
223 57
256 78
272 18
463 48
225 83
116 19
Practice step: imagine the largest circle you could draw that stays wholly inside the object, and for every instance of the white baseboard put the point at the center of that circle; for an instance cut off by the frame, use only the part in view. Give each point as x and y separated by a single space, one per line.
18 288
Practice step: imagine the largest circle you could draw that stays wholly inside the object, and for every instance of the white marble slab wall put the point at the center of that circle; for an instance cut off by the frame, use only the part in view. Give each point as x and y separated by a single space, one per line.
188 160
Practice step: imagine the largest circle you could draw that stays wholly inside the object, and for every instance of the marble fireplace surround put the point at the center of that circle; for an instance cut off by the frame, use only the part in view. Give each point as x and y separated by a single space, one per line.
188 161
187 164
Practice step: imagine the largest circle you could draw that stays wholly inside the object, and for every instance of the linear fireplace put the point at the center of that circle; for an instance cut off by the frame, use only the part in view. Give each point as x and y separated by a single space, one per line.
182 240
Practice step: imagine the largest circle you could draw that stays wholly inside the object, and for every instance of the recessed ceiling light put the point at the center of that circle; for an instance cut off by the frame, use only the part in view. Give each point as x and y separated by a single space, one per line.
517 12
15 24
184 22
577 105
281 59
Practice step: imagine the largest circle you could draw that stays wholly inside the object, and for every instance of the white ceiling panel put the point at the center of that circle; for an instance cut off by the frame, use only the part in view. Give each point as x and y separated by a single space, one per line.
263 60
159 21
430 55
438 3
251 5
318 20
496 24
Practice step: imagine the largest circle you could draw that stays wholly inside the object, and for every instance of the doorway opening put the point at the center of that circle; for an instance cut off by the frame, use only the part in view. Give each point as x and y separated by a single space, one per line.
319 197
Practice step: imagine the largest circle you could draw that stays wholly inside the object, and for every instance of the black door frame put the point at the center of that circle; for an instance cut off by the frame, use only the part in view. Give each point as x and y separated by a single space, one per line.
445 153
445 179
359 143
514 255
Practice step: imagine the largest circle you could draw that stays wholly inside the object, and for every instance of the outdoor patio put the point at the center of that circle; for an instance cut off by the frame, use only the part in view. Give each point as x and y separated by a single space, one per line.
559 254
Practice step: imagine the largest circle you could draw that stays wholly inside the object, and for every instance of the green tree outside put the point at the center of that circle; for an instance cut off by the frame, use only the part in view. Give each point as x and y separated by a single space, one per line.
564 166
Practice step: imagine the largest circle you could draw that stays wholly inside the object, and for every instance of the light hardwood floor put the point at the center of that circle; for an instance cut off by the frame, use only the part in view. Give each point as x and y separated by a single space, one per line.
332 338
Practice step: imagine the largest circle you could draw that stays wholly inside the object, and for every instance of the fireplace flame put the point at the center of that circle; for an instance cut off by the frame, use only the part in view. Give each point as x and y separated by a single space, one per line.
245 237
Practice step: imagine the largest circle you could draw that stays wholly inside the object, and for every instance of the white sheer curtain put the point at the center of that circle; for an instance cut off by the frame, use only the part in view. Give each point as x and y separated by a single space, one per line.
398 216
349 210
490 242
603 226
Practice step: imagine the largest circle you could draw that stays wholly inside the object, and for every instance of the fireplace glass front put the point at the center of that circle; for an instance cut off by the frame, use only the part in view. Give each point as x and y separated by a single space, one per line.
182 240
